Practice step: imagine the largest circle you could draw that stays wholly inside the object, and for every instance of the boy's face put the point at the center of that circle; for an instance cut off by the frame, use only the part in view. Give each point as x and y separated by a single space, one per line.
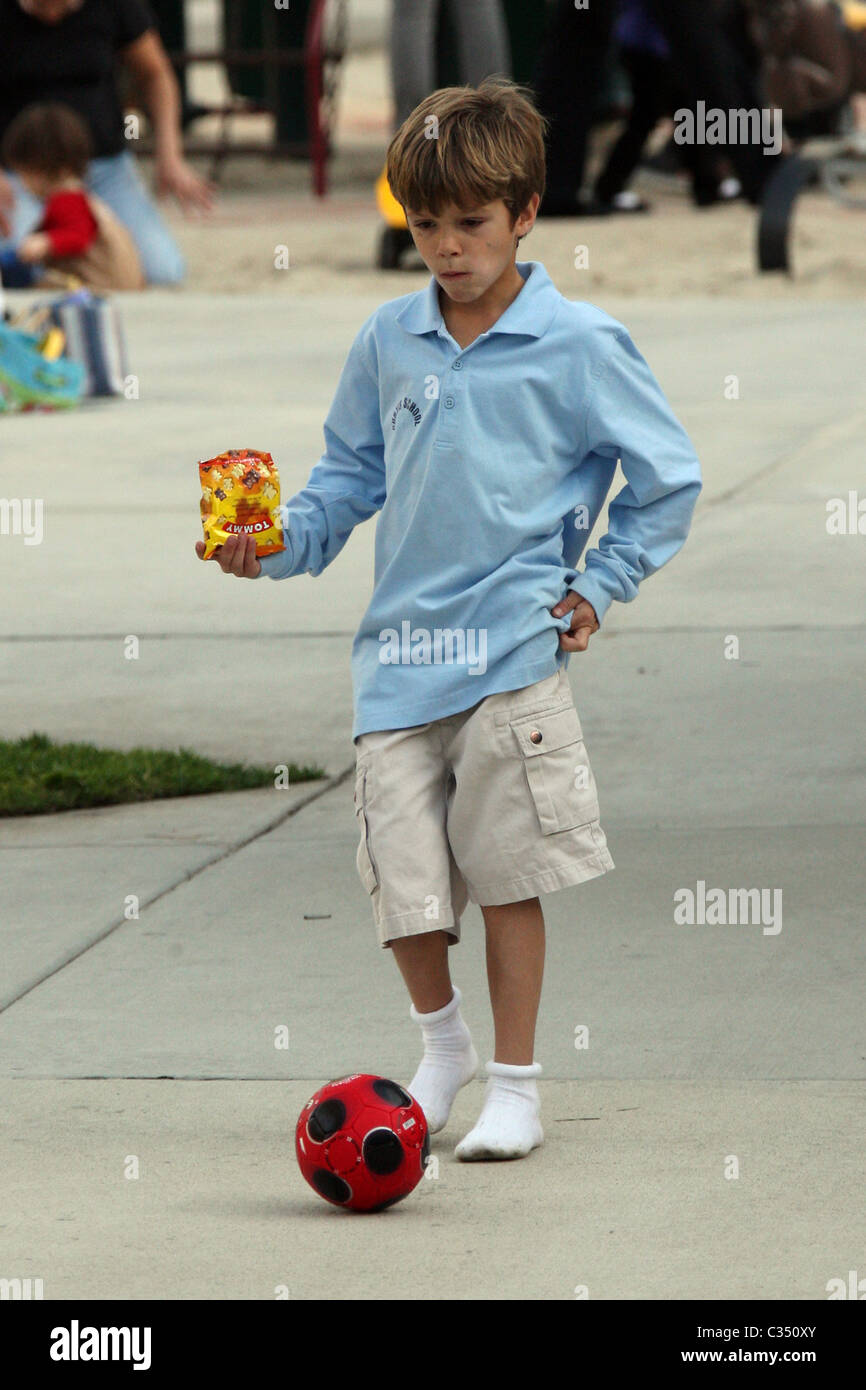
480 243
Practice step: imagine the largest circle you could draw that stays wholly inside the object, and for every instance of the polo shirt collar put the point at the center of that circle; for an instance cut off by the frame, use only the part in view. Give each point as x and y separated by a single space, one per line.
529 313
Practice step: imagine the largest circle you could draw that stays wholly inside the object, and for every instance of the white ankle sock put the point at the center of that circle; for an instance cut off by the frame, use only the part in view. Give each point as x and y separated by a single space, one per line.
509 1125
449 1061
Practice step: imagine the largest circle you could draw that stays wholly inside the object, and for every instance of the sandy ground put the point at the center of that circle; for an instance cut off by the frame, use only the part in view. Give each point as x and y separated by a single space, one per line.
674 249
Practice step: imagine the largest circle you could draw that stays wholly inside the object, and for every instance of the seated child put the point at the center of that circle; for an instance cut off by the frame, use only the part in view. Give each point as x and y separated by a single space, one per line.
48 146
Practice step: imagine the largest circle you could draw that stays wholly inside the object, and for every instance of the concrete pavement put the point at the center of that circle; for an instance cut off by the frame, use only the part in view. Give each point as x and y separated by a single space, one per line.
627 1198
704 1041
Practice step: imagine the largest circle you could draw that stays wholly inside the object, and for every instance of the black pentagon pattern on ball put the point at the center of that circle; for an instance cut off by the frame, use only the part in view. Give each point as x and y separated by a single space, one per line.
391 1092
326 1119
383 1152
330 1186
425 1149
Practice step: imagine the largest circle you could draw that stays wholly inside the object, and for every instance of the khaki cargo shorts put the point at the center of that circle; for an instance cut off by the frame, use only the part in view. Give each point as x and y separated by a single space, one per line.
495 804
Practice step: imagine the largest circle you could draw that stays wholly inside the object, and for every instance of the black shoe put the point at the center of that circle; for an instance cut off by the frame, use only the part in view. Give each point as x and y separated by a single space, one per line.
573 207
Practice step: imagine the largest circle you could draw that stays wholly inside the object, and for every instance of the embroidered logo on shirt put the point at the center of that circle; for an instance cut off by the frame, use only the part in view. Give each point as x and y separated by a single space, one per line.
406 404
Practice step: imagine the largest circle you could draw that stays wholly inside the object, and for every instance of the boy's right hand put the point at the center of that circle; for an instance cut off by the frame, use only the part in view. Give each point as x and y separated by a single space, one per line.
237 556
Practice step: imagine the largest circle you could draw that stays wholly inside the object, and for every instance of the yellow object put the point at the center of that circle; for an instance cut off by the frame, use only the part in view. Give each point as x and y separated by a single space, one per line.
52 344
240 495
388 205
854 13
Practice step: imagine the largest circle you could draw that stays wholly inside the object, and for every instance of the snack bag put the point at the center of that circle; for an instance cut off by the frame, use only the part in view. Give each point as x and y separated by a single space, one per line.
240 493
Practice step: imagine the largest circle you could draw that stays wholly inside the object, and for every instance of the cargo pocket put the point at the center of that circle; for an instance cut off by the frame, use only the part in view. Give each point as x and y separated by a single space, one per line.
557 768
363 859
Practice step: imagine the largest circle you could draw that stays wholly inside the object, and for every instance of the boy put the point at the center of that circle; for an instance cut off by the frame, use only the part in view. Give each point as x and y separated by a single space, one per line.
483 416
48 146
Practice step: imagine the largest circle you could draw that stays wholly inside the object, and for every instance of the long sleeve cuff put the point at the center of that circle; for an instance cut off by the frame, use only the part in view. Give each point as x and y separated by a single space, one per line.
280 565
588 587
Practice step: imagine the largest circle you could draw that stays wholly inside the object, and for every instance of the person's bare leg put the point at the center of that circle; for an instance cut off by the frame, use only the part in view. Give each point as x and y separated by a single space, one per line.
515 970
509 1125
449 1060
423 963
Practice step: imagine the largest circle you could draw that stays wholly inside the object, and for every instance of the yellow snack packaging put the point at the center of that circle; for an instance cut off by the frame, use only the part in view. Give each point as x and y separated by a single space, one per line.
240 495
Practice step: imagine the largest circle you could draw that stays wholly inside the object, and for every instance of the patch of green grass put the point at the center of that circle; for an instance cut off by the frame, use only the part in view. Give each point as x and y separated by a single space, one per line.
38 775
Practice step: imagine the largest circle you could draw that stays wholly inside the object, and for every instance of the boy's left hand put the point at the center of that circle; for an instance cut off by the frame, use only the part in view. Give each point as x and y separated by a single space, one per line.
583 622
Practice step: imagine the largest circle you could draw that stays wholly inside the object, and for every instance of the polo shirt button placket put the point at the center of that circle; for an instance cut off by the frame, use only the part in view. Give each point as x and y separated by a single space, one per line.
446 434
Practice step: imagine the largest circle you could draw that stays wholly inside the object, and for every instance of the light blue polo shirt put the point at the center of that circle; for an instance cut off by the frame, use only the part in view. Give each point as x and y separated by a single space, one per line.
489 466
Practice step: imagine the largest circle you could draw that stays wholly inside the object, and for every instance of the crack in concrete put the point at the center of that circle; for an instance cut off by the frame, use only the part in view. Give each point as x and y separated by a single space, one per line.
61 963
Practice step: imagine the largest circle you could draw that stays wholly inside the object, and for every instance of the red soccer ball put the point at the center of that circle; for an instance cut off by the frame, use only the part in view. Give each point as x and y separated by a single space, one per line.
362 1142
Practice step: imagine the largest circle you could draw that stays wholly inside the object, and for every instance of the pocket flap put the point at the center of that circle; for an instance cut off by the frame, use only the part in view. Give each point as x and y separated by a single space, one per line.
558 728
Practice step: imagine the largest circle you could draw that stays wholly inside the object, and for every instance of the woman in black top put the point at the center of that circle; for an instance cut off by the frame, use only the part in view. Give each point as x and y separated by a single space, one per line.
67 50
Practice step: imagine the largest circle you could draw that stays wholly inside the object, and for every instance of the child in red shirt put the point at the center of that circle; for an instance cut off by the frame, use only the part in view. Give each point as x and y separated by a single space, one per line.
48 147
68 225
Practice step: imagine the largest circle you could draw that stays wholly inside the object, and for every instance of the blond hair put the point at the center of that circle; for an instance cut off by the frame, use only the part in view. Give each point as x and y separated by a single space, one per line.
469 146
